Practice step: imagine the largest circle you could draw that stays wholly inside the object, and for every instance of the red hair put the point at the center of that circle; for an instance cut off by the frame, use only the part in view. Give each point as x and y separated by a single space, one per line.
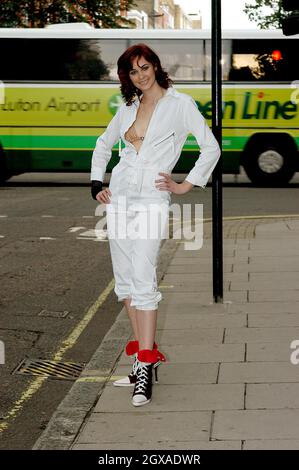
124 65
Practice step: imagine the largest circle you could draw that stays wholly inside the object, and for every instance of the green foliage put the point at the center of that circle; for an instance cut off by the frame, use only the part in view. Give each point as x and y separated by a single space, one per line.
273 19
37 14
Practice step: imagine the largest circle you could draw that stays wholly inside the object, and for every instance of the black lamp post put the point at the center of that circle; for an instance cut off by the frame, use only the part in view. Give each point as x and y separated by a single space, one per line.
217 173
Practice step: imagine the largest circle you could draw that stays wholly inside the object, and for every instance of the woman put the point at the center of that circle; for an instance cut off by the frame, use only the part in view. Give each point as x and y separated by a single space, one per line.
153 122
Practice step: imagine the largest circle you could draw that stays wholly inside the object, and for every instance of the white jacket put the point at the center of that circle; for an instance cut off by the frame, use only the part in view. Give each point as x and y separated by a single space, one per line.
175 116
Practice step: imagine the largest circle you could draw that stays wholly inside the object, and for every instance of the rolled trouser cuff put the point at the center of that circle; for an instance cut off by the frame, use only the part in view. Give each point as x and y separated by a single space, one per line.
150 303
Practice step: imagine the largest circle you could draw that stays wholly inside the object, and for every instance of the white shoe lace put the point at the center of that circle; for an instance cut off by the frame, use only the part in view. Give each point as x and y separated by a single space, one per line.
135 367
142 379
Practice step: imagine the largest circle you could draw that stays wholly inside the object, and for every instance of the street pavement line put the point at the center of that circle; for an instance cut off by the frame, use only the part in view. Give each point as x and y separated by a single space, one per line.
238 217
103 378
68 343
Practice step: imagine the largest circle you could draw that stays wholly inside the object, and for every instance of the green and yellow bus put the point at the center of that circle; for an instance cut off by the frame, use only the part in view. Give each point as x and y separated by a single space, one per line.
59 89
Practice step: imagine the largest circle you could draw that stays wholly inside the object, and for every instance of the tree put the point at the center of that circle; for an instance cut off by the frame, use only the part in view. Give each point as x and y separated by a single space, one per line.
37 14
257 14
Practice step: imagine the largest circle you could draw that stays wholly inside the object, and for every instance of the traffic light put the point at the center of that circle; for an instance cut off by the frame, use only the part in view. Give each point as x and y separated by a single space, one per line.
290 25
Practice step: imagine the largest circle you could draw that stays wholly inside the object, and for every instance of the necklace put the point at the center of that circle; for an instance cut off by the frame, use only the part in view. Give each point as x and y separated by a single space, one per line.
131 134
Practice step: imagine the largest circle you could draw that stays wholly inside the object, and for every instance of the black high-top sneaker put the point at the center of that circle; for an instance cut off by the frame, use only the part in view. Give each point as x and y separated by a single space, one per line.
132 348
142 393
147 359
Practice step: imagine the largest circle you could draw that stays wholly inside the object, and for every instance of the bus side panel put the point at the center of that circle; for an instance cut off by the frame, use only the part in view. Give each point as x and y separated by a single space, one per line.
54 128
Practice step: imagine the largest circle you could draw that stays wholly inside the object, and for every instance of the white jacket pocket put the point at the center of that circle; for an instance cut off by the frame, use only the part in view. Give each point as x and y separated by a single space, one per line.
165 145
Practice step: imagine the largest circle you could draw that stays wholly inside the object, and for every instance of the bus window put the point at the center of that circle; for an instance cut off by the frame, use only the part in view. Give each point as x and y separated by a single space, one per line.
226 58
183 59
263 60
60 59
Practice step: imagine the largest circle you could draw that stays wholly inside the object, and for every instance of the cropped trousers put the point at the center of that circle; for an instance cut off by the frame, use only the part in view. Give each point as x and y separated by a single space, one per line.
135 238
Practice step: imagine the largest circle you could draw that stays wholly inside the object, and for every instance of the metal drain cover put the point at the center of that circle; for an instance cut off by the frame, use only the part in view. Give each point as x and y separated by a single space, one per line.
51 369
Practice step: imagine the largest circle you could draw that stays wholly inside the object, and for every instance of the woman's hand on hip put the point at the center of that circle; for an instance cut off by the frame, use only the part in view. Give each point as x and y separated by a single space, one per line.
103 196
167 184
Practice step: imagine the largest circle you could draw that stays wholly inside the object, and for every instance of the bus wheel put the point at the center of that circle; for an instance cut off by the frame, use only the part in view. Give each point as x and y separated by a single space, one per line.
270 163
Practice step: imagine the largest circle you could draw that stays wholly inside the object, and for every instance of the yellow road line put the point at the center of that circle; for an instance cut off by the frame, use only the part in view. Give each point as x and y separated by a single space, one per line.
68 343
103 378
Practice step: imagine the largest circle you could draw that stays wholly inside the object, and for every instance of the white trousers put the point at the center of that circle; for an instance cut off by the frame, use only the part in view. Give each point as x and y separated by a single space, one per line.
135 239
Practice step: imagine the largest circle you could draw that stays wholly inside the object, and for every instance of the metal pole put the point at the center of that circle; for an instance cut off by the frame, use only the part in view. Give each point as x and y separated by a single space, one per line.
217 173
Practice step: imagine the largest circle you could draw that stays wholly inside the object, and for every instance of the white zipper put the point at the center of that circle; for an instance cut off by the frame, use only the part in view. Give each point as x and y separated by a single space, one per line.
165 138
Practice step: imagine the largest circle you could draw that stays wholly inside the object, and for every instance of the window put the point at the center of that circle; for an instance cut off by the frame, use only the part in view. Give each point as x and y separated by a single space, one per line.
183 59
263 60
60 59
226 59
93 59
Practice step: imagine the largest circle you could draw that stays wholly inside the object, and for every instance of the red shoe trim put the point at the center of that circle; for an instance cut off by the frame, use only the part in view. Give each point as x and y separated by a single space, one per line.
150 355
161 357
132 347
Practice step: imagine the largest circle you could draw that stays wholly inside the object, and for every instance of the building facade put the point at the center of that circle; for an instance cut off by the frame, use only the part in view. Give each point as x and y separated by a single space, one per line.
162 14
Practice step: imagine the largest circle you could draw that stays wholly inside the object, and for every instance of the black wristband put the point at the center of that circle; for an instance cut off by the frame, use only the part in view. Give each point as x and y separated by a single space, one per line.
96 187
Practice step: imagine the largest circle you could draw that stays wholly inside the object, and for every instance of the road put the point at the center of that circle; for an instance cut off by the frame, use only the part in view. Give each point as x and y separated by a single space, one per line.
56 279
